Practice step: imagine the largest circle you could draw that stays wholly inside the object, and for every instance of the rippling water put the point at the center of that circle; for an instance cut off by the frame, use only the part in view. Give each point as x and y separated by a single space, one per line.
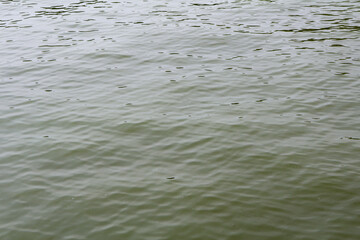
187 119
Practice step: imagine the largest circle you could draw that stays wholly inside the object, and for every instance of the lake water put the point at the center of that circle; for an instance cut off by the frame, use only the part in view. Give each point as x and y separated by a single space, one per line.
183 120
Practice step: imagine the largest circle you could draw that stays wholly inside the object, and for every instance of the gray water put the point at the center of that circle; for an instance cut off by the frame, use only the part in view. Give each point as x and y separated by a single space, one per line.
183 120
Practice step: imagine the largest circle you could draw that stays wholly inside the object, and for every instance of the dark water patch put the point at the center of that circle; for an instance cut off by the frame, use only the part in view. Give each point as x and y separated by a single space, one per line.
54 45
341 73
353 138
337 45
207 4
321 39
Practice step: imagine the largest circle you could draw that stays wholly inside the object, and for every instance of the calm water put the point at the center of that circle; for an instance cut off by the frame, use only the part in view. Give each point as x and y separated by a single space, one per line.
186 119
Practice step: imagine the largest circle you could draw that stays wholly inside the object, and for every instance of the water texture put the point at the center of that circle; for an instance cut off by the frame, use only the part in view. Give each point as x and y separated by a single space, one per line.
184 119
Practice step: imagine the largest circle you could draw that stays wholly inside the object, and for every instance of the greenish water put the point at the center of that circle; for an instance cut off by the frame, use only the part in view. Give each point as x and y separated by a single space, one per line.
179 120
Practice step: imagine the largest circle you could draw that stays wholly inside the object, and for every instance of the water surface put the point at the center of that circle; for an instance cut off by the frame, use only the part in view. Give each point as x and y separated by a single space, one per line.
179 120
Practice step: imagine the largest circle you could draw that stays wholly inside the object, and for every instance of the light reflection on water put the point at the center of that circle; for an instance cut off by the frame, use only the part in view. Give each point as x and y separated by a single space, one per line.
179 120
